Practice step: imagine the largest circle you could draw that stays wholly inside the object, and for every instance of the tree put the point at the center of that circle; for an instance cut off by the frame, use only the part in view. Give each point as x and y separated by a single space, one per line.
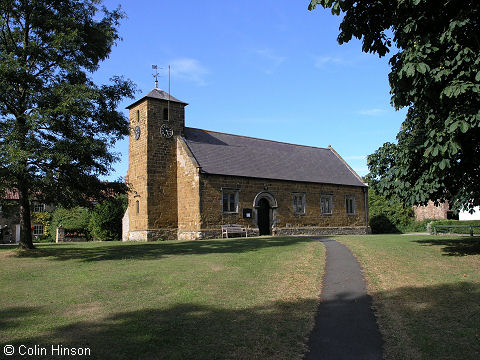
388 215
56 126
106 219
435 73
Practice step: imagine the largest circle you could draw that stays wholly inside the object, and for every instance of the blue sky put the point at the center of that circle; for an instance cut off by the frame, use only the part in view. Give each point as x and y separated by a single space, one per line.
267 69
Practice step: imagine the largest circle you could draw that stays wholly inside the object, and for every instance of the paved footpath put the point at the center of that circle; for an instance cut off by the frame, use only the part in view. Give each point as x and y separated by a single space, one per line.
345 327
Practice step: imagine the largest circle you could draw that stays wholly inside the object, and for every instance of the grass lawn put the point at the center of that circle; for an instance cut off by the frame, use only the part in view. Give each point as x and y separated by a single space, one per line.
211 299
427 293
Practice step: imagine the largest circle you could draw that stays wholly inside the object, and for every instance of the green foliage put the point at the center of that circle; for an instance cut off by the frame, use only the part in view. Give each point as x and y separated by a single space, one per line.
381 224
56 126
103 223
45 219
417 226
436 75
9 207
387 216
71 219
106 220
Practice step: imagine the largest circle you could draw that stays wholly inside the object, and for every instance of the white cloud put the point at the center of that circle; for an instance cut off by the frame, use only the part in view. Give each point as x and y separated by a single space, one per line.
274 60
190 70
322 61
371 112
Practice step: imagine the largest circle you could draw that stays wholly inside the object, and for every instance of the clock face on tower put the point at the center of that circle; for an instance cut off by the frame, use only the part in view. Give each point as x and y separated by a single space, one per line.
137 132
166 131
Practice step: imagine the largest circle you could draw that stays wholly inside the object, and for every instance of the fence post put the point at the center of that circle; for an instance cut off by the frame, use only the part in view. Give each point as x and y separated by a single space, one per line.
434 230
60 236
471 230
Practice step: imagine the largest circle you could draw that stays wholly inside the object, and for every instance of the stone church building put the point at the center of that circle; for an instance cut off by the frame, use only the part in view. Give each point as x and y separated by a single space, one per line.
186 183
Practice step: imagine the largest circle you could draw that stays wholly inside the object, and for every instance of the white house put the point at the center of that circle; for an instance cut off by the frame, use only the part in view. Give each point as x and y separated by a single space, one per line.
465 215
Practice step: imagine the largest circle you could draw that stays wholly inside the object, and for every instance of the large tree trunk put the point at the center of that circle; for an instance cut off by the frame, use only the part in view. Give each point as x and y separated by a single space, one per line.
23 185
25 220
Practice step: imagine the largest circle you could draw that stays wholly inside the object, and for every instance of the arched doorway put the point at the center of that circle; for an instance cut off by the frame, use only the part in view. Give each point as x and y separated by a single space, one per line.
263 217
265 205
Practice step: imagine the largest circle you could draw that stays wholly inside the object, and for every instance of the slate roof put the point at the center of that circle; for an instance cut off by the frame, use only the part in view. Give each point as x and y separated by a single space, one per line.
226 154
157 94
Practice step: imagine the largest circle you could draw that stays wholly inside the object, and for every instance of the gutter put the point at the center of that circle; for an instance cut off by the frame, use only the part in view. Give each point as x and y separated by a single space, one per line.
365 195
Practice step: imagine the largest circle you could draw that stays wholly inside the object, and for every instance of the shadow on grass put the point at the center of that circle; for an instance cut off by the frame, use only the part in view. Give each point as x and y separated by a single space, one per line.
459 246
8 246
435 322
10 317
189 331
442 322
149 251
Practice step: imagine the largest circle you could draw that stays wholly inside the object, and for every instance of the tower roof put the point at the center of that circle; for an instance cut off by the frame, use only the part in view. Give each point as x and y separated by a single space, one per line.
159 95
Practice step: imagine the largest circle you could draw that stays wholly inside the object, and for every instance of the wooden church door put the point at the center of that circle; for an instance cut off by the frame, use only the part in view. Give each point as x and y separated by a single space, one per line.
263 213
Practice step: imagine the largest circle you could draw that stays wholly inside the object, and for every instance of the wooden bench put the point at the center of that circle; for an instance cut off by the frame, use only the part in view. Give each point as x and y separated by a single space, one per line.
439 227
233 229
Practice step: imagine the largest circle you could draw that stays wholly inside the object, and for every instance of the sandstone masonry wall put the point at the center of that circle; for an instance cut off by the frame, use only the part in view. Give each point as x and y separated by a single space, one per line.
188 193
152 173
284 217
137 168
162 165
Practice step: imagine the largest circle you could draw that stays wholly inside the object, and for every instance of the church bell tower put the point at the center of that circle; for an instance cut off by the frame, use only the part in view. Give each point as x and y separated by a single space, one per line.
156 120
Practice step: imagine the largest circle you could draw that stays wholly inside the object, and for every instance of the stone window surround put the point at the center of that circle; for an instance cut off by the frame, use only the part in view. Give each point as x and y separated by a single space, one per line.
354 205
302 197
329 198
236 193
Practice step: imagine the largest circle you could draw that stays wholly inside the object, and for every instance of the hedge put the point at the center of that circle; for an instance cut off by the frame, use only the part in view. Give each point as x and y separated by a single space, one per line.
106 220
102 223
71 219
454 229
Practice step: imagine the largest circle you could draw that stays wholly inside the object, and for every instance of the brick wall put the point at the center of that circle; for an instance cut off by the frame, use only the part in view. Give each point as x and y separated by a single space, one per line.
431 211
9 217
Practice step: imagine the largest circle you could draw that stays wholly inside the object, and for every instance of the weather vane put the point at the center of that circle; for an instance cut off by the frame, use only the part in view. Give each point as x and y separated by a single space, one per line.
155 67
156 75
